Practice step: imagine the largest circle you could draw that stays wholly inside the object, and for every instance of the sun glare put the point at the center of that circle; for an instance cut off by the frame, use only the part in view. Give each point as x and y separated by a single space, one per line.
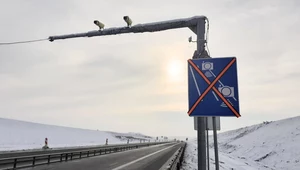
174 70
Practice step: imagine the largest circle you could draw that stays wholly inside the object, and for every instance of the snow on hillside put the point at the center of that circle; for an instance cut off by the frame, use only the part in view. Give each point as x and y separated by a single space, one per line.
19 135
266 146
226 161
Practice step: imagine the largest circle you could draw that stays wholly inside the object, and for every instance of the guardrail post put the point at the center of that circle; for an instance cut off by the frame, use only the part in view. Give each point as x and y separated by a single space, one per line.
88 153
61 156
72 156
100 151
79 155
178 166
66 157
33 161
49 159
94 152
105 151
15 163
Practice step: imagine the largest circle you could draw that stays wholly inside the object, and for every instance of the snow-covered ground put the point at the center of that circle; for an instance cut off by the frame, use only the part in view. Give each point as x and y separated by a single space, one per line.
20 135
266 146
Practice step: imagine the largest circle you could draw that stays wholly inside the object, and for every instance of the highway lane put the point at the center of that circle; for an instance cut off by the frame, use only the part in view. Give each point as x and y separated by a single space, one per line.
149 158
9 154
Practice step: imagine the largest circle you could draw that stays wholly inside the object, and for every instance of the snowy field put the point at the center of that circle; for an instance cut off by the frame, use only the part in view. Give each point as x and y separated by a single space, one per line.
267 146
20 135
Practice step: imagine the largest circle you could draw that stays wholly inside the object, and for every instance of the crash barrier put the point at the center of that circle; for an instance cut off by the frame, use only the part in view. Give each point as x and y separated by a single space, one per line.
65 155
175 161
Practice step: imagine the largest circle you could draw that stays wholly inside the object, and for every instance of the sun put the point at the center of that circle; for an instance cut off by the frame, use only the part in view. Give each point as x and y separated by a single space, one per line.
175 70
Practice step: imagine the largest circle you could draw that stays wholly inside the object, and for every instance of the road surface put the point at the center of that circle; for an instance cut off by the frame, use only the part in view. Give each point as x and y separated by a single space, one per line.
149 158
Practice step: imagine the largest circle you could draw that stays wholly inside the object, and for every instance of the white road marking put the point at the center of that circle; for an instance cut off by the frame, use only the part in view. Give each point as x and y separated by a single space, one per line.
144 157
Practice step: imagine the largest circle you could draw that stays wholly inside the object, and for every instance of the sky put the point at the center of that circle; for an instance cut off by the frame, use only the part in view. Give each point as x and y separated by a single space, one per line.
138 82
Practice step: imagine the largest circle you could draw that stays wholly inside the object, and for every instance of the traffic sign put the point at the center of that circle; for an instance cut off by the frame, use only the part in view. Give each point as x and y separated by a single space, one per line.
213 87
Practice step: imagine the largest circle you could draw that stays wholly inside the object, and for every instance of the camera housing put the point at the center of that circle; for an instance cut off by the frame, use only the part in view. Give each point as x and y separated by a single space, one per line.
207 66
99 24
127 20
227 91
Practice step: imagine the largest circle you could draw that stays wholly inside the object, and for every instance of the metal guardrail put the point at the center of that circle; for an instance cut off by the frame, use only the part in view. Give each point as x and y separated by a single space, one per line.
10 154
42 159
176 160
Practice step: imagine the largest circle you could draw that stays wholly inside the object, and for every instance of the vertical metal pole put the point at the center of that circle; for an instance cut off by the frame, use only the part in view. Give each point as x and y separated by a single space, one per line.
201 120
207 142
216 143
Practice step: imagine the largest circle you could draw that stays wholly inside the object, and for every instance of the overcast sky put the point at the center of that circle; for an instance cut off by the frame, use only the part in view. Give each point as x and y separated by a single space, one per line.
127 83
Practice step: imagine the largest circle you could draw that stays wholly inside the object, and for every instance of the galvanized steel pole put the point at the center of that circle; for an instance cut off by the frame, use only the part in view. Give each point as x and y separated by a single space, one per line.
201 120
207 143
216 143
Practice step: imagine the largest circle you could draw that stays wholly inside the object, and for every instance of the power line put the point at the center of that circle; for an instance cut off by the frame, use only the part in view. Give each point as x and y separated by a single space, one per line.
20 42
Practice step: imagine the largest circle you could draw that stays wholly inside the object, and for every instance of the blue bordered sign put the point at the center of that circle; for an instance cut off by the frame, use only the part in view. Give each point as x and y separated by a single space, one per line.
213 87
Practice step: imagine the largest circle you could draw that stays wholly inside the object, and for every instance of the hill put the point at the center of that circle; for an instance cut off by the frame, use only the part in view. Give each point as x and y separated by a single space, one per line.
20 135
269 145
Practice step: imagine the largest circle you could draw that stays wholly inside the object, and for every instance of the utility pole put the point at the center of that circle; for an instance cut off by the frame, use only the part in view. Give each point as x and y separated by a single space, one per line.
201 121
207 143
216 143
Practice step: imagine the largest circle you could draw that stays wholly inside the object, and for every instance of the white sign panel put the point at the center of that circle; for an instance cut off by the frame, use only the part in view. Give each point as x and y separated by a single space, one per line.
209 124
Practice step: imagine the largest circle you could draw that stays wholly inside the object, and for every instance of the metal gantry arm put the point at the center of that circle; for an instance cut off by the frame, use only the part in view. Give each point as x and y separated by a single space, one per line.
191 23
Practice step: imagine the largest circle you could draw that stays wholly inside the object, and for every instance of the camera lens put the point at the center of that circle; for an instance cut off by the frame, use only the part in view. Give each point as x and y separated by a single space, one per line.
207 66
226 91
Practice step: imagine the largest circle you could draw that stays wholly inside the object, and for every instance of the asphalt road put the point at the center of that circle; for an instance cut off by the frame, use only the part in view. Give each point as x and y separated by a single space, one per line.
9 154
149 158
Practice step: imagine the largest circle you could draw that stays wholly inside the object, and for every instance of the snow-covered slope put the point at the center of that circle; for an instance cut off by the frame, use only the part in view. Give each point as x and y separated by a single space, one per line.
18 135
269 145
